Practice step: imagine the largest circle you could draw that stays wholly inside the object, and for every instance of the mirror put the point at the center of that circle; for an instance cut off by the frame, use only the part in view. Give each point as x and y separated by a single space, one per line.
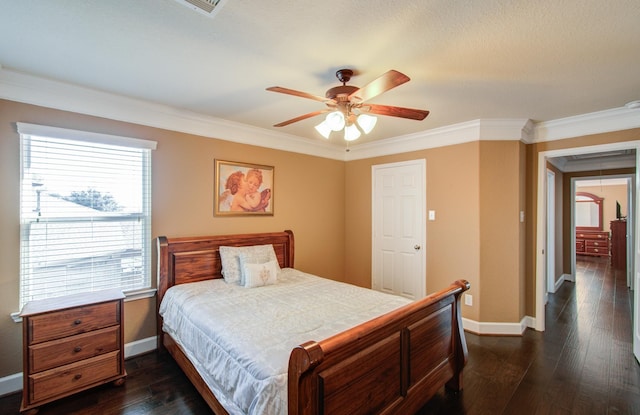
588 212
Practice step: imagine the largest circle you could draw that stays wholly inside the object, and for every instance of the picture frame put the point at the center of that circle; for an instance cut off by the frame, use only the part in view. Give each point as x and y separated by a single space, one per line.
243 189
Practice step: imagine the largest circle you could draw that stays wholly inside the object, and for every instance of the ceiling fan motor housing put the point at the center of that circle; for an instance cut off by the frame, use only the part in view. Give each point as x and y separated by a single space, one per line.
341 93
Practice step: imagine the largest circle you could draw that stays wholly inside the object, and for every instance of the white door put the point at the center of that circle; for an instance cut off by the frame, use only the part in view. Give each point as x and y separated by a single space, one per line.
551 235
399 228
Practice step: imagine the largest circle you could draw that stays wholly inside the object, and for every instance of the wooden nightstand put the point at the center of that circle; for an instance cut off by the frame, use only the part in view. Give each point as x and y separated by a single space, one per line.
70 344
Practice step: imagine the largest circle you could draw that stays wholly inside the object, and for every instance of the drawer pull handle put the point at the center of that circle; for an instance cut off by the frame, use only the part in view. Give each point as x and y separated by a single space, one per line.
77 349
78 376
77 322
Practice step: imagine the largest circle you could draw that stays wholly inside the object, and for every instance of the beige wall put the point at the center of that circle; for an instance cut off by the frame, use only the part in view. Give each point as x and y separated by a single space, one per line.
501 282
308 198
475 190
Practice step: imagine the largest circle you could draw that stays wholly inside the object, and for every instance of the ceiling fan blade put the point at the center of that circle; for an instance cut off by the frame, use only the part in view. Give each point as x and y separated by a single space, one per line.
401 112
299 94
382 84
302 117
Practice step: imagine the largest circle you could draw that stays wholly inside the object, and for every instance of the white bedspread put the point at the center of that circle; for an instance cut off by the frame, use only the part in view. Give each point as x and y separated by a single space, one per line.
240 338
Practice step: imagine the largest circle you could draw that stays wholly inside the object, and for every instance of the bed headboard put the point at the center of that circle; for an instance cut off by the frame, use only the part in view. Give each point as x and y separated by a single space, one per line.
190 259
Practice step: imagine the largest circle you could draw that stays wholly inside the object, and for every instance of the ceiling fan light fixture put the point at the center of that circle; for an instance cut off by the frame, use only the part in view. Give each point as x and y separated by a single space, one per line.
324 129
346 108
366 122
351 132
335 120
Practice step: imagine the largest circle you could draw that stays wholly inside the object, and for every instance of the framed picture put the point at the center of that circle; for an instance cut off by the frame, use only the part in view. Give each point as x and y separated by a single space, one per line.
242 189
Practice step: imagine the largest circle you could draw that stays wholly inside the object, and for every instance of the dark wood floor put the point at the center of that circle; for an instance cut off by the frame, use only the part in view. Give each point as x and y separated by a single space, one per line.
582 364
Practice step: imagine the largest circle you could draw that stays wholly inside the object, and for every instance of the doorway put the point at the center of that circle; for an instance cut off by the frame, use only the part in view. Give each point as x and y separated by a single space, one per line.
616 192
541 230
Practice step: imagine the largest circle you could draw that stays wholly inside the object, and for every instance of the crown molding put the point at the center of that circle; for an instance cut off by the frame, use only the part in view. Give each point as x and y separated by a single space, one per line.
29 89
616 119
469 131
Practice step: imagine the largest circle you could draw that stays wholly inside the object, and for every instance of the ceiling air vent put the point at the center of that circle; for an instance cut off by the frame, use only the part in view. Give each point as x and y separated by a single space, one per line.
207 7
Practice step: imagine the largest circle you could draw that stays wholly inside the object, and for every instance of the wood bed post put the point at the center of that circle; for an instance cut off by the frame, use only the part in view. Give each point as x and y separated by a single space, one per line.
291 247
460 345
302 393
162 286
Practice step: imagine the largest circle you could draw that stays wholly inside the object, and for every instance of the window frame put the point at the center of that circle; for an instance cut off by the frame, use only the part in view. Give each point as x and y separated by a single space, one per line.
26 129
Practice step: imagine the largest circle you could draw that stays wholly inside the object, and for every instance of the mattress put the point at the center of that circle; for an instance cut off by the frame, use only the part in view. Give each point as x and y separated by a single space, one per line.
239 339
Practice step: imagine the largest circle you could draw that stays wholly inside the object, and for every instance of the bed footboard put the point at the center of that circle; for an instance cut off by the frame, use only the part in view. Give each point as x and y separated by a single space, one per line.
393 364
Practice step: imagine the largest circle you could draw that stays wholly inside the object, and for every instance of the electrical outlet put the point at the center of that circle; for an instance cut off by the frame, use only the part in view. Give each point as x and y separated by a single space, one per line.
468 300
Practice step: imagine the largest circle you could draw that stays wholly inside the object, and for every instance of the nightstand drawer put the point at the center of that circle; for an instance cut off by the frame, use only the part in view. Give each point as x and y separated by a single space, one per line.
76 376
73 321
44 356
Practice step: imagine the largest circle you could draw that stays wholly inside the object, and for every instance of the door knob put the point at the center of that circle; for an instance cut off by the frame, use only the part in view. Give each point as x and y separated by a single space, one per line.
416 247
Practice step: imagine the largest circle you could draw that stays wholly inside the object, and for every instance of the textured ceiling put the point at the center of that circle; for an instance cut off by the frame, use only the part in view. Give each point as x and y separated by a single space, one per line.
467 60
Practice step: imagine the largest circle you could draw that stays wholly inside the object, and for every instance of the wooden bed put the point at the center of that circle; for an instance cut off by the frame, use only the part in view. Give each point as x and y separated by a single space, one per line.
392 364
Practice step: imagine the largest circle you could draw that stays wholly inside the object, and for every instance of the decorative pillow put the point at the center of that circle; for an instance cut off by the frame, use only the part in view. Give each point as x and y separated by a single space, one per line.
259 275
230 259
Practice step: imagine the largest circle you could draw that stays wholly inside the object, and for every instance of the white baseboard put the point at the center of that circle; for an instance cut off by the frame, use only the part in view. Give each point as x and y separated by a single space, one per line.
498 329
13 383
530 322
563 278
140 346
10 384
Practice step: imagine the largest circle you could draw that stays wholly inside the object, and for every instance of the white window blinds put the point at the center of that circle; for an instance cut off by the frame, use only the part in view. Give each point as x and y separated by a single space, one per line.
85 221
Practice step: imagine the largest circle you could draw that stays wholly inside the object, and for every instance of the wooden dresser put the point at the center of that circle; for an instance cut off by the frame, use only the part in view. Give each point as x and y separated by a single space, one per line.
593 243
70 344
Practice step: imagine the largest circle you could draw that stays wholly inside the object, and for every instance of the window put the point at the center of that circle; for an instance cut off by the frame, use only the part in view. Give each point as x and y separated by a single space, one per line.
85 212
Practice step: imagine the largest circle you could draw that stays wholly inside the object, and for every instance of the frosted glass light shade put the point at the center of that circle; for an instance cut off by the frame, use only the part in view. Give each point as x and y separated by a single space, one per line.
351 132
367 122
324 129
335 120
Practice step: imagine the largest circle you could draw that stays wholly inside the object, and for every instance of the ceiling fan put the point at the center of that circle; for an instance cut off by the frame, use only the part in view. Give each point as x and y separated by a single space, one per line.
346 103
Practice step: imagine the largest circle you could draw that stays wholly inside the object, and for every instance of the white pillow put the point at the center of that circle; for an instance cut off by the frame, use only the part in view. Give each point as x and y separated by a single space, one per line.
255 254
259 275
